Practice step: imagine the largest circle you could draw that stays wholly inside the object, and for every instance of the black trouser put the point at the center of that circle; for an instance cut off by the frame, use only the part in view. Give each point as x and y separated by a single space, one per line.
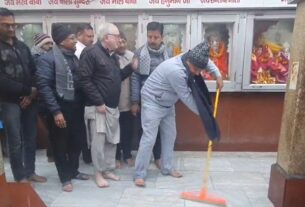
157 146
124 146
86 152
43 115
67 142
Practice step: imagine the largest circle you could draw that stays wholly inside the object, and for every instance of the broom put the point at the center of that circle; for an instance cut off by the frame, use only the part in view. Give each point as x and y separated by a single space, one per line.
203 195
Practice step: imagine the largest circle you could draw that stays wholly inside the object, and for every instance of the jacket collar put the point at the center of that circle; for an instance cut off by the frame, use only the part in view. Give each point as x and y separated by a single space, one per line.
15 40
107 52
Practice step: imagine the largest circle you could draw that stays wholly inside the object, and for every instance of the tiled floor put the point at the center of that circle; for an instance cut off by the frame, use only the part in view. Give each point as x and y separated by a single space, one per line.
240 177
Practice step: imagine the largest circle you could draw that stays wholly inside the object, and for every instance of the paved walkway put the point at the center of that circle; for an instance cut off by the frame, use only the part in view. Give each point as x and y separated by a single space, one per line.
240 177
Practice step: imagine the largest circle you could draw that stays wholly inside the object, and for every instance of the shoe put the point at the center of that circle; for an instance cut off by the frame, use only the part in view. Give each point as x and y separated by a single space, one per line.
139 182
37 178
82 176
67 186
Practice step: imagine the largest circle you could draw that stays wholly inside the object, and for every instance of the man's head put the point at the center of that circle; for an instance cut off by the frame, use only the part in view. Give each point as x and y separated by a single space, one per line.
109 36
43 41
122 44
84 34
7 24
198 58
154 35
63 36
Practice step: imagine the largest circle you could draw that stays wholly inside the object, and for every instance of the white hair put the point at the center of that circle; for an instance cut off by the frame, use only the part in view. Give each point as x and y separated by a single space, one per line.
104 29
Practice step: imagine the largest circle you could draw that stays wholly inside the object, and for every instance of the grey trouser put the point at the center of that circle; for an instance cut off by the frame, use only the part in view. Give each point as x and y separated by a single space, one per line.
102 152
154 117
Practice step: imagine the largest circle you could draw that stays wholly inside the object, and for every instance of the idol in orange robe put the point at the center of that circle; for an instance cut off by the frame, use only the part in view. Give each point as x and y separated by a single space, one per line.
220 56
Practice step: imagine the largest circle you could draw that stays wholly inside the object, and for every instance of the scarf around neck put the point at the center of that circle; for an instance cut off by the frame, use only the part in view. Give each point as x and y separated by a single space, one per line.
144 65
201 96
63 74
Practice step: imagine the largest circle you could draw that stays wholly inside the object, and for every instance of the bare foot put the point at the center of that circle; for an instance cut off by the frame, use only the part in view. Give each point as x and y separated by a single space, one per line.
118 164
158 163
139 182
130 162
100 181
111 176
176 174
67 187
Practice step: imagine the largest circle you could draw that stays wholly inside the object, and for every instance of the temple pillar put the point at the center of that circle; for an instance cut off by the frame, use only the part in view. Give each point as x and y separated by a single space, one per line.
287 181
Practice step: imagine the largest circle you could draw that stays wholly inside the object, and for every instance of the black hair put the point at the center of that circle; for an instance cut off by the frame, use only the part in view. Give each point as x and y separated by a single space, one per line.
4 12
155 26
83 27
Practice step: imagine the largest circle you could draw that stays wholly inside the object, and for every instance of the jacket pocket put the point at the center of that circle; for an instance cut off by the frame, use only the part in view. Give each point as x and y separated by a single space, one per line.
166 99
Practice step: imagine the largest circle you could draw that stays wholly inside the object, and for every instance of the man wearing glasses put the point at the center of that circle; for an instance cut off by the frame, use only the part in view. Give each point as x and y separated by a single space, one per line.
100 80
18 95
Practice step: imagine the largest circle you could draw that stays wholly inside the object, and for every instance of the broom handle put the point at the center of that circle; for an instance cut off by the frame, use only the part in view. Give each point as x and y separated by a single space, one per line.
210 145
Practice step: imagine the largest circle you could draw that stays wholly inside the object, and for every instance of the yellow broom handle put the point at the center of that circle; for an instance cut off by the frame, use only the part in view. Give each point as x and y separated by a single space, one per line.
216 103
210 145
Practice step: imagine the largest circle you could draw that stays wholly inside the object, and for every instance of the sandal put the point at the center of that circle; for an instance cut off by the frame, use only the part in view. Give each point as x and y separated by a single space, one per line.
82 176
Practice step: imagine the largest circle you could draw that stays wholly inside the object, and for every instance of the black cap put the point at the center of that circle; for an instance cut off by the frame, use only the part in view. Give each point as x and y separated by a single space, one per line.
199 55
60 32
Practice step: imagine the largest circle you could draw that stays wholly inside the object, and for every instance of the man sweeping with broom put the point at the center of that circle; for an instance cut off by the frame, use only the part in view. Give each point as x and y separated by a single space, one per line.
177 78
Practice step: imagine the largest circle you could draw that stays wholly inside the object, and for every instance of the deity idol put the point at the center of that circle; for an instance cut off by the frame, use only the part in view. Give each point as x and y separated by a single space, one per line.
219 55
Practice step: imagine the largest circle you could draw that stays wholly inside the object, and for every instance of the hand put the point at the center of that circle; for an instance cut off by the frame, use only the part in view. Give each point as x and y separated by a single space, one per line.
60 121
219 83
134 63
135 109
25 102
101 109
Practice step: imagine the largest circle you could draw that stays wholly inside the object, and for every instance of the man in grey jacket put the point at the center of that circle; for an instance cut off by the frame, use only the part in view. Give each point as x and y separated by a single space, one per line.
150 56
163 88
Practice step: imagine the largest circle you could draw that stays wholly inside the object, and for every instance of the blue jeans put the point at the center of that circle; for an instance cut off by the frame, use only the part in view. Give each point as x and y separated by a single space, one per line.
20 127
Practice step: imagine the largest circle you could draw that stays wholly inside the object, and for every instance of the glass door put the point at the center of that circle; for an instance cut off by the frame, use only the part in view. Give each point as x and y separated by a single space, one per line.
225 34
268 52
28 26
176 35
129 25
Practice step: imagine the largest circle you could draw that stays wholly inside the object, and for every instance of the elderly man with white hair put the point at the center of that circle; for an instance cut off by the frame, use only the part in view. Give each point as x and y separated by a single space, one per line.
100 80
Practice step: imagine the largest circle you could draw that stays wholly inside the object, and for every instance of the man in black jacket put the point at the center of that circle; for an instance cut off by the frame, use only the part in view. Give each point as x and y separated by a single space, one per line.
18 94
56 81
100 80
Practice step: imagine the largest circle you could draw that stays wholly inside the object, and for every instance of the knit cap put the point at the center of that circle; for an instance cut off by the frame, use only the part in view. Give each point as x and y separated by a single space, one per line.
40 39
60 32
199 55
